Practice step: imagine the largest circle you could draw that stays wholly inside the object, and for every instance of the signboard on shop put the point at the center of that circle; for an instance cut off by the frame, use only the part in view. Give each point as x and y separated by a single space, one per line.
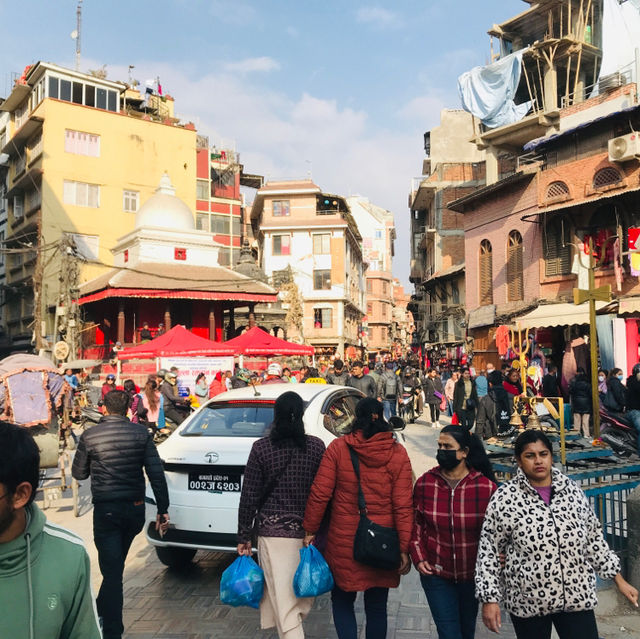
190 367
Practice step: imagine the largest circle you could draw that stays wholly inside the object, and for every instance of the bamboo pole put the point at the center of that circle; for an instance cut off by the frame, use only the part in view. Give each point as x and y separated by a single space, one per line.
566 90
575 84
526 77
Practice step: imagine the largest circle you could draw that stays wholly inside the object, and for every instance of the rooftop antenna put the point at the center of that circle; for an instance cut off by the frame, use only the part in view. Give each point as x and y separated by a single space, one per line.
75 34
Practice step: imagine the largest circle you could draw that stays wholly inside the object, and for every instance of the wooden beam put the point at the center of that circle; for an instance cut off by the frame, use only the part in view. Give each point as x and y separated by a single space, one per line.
575 84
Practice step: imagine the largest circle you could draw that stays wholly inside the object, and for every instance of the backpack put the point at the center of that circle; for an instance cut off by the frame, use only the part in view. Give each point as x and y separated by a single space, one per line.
390 385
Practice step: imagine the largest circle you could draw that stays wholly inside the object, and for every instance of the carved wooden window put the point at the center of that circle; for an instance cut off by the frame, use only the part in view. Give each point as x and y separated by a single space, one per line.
486 273
556 248
557 190
608 176
515 277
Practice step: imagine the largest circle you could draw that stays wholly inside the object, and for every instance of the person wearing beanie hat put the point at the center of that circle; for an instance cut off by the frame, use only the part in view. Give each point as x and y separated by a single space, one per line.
274 374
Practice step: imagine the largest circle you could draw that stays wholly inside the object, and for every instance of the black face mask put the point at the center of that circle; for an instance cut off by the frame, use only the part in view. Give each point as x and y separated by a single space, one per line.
447 459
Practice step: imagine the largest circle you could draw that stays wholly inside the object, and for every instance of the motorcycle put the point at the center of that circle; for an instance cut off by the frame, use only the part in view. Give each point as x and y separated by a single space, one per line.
89 416
617 431
407 404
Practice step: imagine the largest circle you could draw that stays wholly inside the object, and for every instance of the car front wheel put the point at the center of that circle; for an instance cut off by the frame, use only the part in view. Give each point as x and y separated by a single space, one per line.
175 557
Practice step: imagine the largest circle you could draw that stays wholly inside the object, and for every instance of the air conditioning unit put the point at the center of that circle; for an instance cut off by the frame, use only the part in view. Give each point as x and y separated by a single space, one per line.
626 147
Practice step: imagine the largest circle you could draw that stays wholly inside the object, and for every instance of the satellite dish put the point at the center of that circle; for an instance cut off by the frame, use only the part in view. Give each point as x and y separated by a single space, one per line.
74 34
61 351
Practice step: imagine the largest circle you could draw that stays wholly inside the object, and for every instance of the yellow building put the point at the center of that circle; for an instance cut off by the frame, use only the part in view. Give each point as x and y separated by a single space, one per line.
84 152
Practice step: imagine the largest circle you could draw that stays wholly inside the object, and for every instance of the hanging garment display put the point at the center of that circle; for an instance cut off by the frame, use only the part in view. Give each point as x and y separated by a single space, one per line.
633 341
620 343
503 340
580 269
617 264
604 325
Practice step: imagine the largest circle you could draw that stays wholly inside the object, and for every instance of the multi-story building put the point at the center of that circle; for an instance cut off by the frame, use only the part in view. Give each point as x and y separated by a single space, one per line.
312 235
4 211
574 180
83 153
403 326
453 167
218 198
378 232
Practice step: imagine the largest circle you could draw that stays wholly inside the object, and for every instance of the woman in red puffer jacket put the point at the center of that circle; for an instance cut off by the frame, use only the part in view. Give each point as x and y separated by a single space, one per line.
385 473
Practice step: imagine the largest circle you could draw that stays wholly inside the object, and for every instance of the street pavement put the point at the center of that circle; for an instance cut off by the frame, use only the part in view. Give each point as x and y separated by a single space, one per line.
168 604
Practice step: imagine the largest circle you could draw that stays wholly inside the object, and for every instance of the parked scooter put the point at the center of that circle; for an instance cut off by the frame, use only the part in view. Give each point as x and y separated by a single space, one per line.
618 432
89 416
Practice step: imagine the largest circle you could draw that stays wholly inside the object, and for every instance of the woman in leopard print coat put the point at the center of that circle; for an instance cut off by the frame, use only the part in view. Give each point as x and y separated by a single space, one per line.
552 545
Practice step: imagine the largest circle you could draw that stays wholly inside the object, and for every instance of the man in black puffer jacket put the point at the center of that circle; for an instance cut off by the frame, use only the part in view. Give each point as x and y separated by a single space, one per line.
580 395
114 452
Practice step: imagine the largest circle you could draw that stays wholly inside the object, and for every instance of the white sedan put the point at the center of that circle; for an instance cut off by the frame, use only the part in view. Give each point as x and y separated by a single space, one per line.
204 461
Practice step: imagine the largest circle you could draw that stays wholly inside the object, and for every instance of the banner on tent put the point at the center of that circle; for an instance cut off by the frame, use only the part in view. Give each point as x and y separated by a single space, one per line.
190 367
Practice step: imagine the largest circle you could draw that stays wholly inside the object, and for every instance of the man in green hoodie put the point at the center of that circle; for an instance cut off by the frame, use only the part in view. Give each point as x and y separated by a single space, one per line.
45 585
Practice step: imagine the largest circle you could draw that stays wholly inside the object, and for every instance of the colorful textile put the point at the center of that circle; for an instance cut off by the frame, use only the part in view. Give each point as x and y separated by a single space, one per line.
633 341
604 325
620 343
503 340
635 264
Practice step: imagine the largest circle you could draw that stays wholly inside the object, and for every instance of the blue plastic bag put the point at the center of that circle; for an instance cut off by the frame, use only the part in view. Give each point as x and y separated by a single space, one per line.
313 576
242 583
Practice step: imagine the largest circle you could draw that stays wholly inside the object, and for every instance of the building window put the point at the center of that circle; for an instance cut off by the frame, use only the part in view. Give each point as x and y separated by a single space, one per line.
369 308
322 280
224 256
322 243
556 190
378 234
282 245
280 208
220 224
322 317
557 250
130 201
53 87
87 246
327 205
383 334
236 226
82 194
608 176
385 287
2 246
486 273
369 286
202 221
455 293
515 277
18 206
202 190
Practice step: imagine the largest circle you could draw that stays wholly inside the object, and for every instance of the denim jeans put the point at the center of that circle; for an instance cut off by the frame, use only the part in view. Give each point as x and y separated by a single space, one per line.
453 606
115 524
389 408
375 608
634 417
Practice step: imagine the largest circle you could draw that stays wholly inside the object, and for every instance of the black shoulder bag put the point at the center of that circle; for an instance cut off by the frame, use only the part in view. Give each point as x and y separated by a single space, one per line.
374 545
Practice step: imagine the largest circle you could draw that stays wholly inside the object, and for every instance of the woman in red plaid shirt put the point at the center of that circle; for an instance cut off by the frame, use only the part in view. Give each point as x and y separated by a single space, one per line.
449 502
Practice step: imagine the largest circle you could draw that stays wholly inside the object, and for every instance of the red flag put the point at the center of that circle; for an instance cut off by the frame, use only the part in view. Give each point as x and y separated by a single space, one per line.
634 239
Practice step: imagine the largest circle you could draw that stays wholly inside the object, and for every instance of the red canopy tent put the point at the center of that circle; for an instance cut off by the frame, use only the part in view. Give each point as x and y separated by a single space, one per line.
258 342
177 341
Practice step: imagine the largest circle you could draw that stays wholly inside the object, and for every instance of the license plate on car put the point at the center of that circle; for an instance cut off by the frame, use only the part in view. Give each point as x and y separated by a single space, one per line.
214 482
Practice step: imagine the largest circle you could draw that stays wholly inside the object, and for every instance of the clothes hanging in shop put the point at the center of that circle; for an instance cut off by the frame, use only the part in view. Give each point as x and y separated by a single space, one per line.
503 340
579 269
620 343
633 341
604 325
576 355
617 264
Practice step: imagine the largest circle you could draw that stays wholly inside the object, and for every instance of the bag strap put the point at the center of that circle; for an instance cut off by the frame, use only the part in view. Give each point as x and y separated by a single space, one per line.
362 506
271 486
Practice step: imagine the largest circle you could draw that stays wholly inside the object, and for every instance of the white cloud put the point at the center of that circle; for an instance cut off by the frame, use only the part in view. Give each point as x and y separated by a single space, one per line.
278 136
250 65
424 110
378 17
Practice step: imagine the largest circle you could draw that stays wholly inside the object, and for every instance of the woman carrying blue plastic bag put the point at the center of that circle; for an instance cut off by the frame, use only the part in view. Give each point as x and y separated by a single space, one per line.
277 481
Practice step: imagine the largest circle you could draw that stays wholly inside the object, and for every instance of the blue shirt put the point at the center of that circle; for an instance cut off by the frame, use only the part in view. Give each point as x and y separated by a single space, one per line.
73 381
482 385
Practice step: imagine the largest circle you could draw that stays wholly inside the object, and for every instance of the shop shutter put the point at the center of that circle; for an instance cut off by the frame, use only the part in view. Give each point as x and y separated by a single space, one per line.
515 284
486 273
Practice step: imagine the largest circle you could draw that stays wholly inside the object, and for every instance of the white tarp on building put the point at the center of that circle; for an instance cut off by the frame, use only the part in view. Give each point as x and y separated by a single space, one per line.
620 35
488 92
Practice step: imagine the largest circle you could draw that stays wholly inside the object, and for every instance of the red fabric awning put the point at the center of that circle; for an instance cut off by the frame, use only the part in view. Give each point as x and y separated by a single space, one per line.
172 294
258 342
177 341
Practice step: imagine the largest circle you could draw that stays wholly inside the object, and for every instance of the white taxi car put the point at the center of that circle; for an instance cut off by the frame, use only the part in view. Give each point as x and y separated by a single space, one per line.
204 461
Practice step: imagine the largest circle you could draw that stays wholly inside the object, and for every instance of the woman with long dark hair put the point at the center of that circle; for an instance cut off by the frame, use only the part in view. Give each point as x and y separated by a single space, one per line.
385 476
449 503
136 410
540 549
277 481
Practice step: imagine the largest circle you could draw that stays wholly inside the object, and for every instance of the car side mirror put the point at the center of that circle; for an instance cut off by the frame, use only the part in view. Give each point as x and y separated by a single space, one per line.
397 423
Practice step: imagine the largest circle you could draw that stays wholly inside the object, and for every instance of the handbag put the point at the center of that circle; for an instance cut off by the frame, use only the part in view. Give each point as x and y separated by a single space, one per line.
374 545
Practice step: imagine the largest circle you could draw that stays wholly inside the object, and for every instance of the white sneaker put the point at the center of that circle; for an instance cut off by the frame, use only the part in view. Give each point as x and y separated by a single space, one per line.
437 425
429 424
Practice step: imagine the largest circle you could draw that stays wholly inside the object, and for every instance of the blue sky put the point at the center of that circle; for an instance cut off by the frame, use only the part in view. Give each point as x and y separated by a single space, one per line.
345 89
